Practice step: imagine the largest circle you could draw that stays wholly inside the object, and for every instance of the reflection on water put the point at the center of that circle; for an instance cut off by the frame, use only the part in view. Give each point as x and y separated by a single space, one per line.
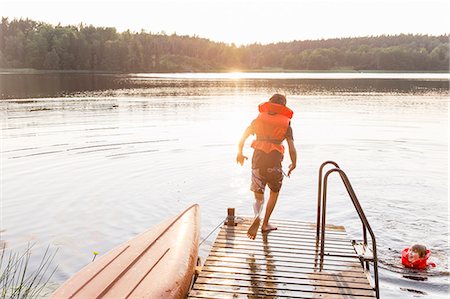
270 283
86 173
296 75
263 285
40 85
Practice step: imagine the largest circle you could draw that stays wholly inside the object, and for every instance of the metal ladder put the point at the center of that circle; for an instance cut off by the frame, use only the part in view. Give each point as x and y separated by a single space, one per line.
362 250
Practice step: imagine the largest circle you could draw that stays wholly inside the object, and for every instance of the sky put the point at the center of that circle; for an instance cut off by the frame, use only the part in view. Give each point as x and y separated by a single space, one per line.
245 21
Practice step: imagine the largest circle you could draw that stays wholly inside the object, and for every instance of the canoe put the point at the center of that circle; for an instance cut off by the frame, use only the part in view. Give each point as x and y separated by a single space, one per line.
159 263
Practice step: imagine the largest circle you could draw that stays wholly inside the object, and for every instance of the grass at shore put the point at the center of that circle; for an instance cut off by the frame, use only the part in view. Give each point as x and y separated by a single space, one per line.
17 279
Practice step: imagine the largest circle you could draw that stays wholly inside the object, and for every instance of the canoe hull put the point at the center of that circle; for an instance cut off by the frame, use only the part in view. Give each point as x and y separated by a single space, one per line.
158 263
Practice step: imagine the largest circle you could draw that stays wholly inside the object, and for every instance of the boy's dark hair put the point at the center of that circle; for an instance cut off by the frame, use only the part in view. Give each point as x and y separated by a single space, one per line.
278 99
420 249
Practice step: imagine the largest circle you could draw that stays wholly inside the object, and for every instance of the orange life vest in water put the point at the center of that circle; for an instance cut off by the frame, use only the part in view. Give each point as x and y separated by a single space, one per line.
270 127
421 263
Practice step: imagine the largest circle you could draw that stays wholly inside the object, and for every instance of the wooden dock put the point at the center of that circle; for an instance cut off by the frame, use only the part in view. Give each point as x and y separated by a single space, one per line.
282 263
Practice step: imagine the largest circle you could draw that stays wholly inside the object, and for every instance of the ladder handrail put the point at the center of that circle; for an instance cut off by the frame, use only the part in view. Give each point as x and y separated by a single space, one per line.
321 212
319 197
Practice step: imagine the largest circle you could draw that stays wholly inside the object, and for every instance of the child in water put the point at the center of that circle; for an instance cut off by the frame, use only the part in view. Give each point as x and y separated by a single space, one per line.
416 257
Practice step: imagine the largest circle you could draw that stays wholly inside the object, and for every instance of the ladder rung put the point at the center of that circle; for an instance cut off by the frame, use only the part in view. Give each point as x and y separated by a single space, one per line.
363 252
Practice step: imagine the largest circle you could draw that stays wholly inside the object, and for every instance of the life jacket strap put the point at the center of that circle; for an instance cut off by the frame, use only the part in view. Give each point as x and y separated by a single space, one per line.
274 141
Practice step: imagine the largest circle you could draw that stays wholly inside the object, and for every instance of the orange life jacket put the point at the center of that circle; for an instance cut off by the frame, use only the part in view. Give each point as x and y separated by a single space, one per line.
270 127
421 263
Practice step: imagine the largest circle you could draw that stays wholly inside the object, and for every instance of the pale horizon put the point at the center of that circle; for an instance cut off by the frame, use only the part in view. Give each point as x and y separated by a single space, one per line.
245 22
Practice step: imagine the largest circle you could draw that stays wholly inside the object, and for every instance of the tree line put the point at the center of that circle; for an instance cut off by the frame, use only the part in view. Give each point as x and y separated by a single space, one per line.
26 43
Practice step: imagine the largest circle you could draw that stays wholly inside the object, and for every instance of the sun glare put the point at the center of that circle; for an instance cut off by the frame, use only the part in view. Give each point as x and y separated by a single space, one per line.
235 74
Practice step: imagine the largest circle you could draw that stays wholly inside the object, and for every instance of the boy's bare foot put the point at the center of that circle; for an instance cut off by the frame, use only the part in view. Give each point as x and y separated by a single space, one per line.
253 229
268 228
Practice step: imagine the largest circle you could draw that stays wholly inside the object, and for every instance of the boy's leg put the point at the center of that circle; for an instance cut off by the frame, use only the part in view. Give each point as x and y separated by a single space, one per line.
259 204
258 185
257 208
275 181
266 226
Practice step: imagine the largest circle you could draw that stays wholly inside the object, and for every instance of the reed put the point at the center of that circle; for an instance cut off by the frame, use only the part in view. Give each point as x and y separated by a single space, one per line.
17 279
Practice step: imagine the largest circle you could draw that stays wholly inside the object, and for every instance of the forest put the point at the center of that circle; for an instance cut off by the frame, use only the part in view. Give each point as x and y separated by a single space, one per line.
31 44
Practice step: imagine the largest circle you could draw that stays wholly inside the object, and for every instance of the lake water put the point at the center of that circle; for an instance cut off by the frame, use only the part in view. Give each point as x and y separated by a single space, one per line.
90 160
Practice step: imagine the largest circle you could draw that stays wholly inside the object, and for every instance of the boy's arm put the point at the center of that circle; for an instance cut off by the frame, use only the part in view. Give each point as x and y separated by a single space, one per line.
240 157
292 154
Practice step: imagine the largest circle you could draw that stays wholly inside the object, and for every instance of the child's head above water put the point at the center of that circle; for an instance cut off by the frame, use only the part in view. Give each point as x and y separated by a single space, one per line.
417 251
416 257
278 99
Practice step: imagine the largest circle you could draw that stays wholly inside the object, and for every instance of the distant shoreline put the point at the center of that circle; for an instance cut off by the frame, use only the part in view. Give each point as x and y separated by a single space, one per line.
85 48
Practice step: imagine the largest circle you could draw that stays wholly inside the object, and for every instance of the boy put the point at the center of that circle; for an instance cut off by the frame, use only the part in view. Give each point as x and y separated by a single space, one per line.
271 127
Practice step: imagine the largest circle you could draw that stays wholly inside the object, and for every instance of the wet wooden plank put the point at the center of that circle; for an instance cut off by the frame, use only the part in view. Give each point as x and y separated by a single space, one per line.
237 295
279 234
287 254
274 240
273 286
297 224
291 233
305 280
288 258
305 223
286 263
292 228
299 274
301 249
266 292
281 264
276 268
228 295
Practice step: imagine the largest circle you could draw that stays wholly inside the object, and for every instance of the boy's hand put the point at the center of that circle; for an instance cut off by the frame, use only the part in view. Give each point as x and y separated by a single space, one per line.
291 168
240 158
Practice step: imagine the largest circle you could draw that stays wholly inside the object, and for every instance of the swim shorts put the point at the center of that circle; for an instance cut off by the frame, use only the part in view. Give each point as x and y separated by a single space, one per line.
272 177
